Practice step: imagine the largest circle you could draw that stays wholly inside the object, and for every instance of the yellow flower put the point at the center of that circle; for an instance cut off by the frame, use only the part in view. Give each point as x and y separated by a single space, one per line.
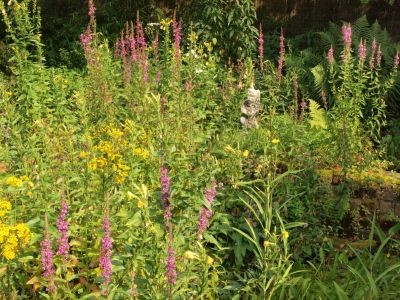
115 133
245 153
164 24
266 244
275 141
130 195
190 255
285 235
141 204
14 181
83 154
193 37
228 148
143 153
210 260
4 207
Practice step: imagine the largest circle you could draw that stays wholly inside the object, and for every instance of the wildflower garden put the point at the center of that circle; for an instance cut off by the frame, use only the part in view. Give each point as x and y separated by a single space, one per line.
150 173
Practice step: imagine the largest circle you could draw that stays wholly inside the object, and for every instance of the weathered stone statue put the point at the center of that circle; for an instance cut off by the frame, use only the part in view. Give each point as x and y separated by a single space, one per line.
250 109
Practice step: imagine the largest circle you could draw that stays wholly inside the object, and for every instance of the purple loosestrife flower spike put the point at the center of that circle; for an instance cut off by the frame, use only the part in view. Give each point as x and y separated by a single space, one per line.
261 46
171 265
106 250
92 9
346 36
378 56
396 61
47 258
330 56
206 213
177 31
362 51
373 50
165 183
303 105
281 54
62 227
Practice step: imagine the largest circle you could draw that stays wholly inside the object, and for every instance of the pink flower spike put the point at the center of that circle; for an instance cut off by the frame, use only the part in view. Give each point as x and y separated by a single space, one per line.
330 57
62 227
372 59
106 250
171 266
92 9
396 61
362 51
378 56
346 36
260 46
281 55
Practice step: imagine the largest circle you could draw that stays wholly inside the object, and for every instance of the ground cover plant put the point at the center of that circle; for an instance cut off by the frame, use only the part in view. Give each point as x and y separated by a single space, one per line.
133 178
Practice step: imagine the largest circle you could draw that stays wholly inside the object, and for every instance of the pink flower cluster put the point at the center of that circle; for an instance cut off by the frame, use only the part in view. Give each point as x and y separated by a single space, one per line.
346 36
206 213
62 227
131 48
362 50
164 179
261 46
177 32
396 61
171 266
47 258
281 55
106 250
330 56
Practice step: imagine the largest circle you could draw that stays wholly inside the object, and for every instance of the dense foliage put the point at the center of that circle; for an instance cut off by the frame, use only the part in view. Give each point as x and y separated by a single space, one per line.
132 178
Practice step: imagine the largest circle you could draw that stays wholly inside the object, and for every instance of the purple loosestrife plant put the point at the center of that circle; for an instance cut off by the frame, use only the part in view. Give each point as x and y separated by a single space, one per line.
92 9
62 227
346 36
170 272
362 50
378 56
177 32
396 61
281 55
330 56
261 47
47 258
142 46
372 59
106 250
165 183
206 213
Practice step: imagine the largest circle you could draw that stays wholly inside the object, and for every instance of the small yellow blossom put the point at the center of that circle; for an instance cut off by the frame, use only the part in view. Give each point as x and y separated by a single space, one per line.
228 148
164 24
267 244
245 153
130 195
141 204
193 37
210 260
5 206
190 255
143 153
275 141
285 235
84 154
14 181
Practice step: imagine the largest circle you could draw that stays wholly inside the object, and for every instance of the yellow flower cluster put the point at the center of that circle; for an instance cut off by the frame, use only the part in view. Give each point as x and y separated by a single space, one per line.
18 182
229 149
12 237
143 153
111 155
164 24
